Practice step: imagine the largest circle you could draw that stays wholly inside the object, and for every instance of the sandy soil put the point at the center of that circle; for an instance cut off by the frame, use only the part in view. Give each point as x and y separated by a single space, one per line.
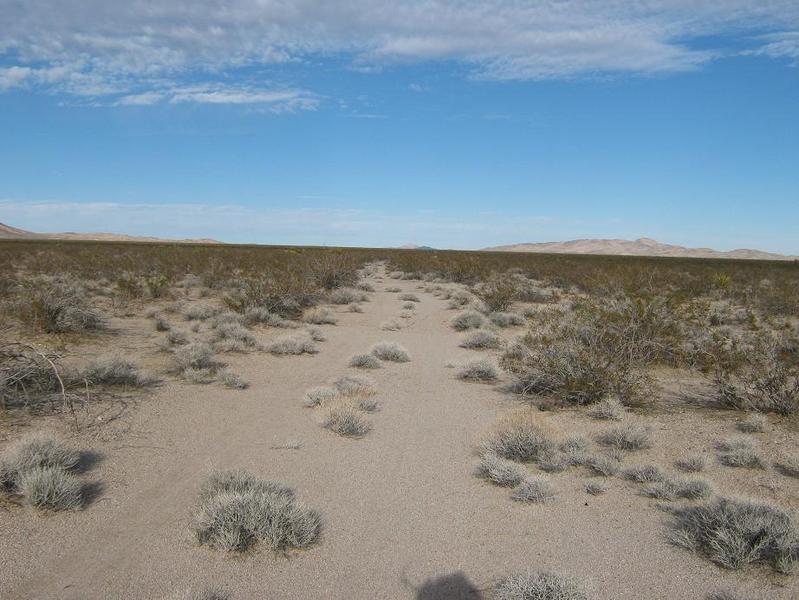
404 515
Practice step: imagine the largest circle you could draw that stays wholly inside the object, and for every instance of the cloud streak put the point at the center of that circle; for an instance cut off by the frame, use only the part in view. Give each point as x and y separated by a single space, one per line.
136 51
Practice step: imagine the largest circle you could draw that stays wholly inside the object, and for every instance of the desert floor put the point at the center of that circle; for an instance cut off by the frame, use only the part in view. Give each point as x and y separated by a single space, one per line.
404 515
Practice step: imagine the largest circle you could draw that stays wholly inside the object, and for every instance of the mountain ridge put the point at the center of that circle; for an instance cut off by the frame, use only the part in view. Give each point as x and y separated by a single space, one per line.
8 232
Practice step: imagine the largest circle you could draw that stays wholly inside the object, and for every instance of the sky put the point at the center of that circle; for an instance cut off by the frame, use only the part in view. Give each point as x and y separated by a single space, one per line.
454 124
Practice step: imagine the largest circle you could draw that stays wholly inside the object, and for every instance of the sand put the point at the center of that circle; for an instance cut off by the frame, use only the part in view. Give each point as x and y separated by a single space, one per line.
404 516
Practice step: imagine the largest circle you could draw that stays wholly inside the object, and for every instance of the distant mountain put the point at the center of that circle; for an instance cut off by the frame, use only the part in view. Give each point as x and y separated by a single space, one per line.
415 247
639 247
8 232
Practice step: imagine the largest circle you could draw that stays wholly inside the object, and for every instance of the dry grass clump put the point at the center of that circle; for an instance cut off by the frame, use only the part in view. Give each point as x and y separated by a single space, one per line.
390 351
644 474
725 595
293 344
55 305
115 370
755 423
232 336
481 339
540 586
393 289
347 296
320 395
236 510
478 370
468 319
554 461
596 488
364 361
671 489
788 466
575 448
609 409
321 316
605 465
740 452
201 312
391 325
506 319
535 489
409 306
232 380
692 464
197 355
260 315
176 337
354 308
37 468
365 286
409 297
345 421
522 437
500 471
353 385
197 376
735 532
627 437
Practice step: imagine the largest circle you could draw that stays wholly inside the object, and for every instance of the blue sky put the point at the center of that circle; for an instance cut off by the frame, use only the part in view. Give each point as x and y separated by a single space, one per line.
451 124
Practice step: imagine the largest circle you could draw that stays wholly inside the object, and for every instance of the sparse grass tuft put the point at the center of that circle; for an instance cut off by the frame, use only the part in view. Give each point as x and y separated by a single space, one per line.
740 452
232 380
345 421
390 351
197 376
354 385
50 488
409 297
734 533
596 488
481 339
755 423
506 319
319 396
606 465
540 586
788 466
535 489
692 464
478 370
296 344
237 510
468 319
115 370
644 474
627 437
391 325
197 355
321 316
364 361
671 489
499 470
520 437
609 408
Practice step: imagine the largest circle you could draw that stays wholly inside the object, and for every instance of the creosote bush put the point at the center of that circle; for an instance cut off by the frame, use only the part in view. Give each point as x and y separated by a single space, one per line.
540 586
734 533
390 351
236 510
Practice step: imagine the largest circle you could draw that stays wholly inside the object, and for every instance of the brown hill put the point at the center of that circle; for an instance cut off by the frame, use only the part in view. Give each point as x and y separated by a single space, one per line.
8 232
639 247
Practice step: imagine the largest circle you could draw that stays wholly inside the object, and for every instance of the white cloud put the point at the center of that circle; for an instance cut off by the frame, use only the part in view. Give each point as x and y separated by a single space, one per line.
132 49
780 45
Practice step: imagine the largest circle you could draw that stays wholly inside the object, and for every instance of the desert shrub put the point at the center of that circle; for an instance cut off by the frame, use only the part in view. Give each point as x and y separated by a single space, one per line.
692 464
575 448
753 424
734 533
157 284
365 403
316 333
609 409
333 270
176 337
497 293
409 306
554 461
408 297
353 385
200 312
259 315
317 396
197 355
354 308
345 296
55 306
393 289
365 286
345 421
391 325
520 437
740 452
535 489
390 351
50 488
293 344
321 316
606 465
115 370
235 510
627 437
161 324
596 488
480 339
499 471
468 319
478 370
232 380
233 337
644 474
506 319
724 595
197 376
364 361
540 586
766 381
33 452
788 466
671 489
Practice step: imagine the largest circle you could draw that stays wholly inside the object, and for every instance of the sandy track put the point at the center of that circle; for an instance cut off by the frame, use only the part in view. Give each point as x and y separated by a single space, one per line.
404 517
